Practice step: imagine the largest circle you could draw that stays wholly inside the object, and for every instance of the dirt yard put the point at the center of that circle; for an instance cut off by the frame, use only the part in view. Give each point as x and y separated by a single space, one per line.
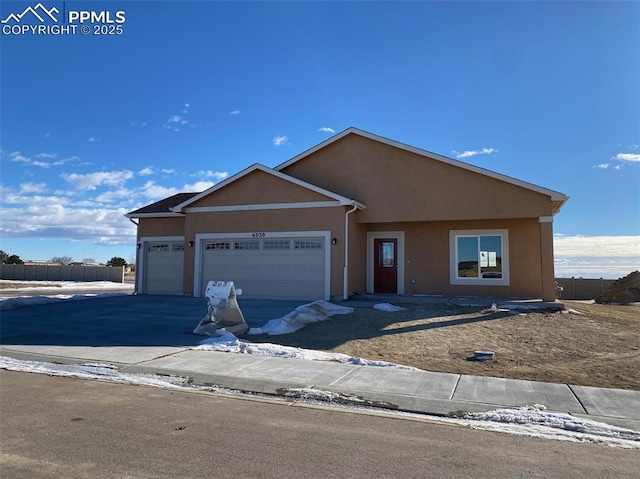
589 344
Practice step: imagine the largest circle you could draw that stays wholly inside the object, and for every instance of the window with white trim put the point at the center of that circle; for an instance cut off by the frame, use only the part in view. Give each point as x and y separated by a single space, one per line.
479 257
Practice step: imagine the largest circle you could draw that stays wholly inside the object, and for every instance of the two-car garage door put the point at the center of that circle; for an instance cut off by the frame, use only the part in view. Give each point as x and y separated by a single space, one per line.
267 268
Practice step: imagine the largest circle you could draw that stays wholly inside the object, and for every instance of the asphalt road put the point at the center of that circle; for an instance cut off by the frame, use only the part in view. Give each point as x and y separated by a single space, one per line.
53 427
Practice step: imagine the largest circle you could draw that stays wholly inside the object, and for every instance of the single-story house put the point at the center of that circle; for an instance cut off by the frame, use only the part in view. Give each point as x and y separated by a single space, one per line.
355 214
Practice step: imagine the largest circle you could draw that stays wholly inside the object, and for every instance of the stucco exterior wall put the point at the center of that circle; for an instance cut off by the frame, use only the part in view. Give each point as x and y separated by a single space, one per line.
399 186
427 261
160 227
259 187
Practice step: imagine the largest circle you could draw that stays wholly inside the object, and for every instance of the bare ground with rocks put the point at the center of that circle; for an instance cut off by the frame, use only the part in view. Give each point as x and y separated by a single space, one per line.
588 344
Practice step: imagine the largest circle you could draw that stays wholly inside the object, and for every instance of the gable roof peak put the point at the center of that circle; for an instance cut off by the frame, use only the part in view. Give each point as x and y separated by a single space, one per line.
283 176
555 196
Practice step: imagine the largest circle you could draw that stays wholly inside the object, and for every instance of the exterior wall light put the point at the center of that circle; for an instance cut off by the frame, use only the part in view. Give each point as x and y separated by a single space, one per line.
190 244
334 241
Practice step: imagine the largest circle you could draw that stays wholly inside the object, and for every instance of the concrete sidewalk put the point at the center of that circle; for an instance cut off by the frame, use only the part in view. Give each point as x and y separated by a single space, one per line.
159 342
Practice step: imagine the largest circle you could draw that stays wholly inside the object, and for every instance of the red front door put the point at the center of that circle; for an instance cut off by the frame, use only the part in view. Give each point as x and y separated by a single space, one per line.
385 268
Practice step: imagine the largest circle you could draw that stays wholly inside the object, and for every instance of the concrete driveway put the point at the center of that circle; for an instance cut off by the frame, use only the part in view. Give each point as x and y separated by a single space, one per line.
129 320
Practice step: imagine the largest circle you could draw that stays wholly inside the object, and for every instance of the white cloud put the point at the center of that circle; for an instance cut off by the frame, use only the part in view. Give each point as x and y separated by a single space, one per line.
326 129
168 171
596 256
601 166
596 245
18 157
33 188
112 196
57 220
627 157
156 192
145 171
470 153
199 186
235 112
175 122
91 181
93 139
216 175
280 140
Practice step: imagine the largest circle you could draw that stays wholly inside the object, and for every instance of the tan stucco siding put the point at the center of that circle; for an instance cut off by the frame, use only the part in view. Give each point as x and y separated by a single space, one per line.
259 187
547 265
268 221
427 260
168 226
398 185
357 256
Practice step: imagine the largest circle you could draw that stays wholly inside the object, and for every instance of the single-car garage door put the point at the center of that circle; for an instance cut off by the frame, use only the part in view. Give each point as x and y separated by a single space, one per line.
268 268
163 267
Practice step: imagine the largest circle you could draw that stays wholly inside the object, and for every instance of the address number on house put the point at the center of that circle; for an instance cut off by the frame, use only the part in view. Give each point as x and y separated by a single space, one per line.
259 235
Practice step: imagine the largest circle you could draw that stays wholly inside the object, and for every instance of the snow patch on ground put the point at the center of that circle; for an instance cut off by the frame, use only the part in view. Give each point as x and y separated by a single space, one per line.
388 307
300 317
23 301
536 421
228 343
532 421
91 371
73 285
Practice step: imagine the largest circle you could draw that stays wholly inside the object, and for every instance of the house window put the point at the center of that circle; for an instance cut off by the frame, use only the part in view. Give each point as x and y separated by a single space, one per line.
218 245
156 247
246 245
307 245
479 257
273 245
177 247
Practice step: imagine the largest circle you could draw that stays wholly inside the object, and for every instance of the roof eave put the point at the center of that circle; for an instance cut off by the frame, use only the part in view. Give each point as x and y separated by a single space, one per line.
154 215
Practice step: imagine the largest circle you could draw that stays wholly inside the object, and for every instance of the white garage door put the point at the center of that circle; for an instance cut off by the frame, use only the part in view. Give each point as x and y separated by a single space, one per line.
163 267
269 268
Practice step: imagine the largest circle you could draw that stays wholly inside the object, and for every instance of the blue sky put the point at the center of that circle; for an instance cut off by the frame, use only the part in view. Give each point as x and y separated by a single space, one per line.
192 91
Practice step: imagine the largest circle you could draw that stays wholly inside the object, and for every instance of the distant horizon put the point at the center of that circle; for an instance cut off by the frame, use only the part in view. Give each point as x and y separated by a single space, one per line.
611 257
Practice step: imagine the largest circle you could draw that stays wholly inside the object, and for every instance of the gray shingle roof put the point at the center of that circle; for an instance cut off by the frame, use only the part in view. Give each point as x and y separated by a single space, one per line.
162 206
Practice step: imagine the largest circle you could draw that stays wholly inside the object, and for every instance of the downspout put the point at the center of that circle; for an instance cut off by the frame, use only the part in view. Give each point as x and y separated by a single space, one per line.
345 279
